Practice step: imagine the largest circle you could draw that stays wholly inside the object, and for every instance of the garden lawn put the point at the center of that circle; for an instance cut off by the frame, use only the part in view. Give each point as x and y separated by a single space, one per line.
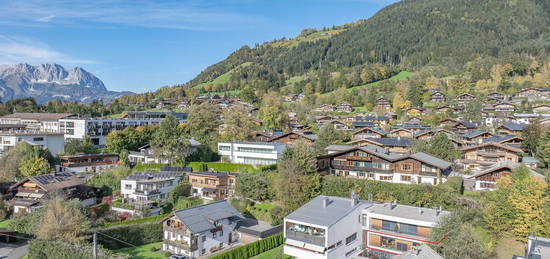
274 253
144 251
4 223
508 246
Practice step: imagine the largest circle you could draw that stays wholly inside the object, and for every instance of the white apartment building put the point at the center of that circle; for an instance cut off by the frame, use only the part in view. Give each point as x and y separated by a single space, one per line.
98 129
54 142
252 153
146 187
47 122
335 227
199 231
325 227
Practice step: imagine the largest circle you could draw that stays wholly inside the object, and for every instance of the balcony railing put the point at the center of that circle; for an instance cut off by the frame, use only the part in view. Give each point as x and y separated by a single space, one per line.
398 232
178 243
361 168
306 238
180 231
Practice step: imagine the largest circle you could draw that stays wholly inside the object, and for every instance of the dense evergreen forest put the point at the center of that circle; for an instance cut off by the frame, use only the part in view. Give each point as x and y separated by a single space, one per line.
449 37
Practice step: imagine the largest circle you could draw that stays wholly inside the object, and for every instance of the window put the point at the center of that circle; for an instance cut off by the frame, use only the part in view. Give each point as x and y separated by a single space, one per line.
407 229
254 150
214 234
38 139
128 186
350 252
402 246
371 175
406 167
486 185
389 225
203 238
203 251
405 178
351 238
386 178
224 148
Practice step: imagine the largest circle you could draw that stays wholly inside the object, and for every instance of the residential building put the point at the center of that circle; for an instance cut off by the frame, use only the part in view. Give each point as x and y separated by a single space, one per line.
437 97
462 127
53 141
344 107
541 109
397 145
32 192
87 163
476 136
143 115
415 111
144 188
325 227
464 98
211 185
534 94
478 157
485 180
252 153
45 122
379 121
401 133
420 252
337 125
510 129
362 124
373 132
293 136
375 163
510 140
382 104
392 229
202 230
336 227
146 154
325 108
98 129
536 248
505 107
496 96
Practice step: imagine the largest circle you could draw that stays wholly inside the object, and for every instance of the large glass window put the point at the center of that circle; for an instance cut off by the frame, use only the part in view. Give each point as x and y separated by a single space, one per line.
389 225
254 150
258 161
305 233
351 238
407 229
224 148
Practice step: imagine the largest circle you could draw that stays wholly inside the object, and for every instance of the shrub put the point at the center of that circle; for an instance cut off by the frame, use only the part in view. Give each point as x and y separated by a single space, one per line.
252 249
39 248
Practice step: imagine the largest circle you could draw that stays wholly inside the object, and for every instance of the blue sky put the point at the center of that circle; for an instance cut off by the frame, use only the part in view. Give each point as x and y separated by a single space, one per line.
141 45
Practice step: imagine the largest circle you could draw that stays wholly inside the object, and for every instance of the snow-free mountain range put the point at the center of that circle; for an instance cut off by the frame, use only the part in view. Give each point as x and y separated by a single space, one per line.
46 82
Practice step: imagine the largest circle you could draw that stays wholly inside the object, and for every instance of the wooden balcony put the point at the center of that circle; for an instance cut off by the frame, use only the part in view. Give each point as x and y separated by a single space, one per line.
362 169
181 244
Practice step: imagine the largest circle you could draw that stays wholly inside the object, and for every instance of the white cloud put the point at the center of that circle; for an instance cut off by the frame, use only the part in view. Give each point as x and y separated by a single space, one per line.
174 14
23 50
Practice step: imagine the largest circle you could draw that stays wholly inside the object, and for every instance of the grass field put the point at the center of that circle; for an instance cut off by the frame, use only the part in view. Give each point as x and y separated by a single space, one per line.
275 253
4 224
400 76
144 251
508 246
223 78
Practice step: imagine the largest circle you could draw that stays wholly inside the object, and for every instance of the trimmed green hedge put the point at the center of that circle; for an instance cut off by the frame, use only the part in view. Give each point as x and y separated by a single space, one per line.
202 166
46 249
410 194
136 221
135 234
252 249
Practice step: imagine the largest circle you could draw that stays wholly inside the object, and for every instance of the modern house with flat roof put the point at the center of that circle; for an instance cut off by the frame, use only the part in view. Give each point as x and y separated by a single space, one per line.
87 163
142 188
211 185
252 153
48 122
336 227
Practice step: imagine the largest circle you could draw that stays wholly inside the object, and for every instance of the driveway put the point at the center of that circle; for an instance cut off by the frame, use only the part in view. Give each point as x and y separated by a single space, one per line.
13 251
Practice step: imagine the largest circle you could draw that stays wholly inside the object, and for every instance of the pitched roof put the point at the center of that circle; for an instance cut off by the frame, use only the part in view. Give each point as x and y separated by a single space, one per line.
201 218
513 126
431 160
314 212
380 118
422 252
392 142
311 137
362 124
37 116
53 181
496 144
500 139
504 164
374 129
474 133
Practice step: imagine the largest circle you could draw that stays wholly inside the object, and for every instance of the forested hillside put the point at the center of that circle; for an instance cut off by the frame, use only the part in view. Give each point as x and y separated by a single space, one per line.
407 35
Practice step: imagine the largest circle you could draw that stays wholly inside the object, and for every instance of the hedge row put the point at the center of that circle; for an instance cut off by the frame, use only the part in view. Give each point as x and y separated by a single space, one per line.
45 249
136 221
202 166
410 194
136 234
252 249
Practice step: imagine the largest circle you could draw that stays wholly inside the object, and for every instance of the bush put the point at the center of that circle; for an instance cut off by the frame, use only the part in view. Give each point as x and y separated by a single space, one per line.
136 234
252 249
157 218
39 248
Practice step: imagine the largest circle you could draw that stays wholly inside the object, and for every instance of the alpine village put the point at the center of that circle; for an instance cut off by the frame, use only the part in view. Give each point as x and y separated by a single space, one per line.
420 132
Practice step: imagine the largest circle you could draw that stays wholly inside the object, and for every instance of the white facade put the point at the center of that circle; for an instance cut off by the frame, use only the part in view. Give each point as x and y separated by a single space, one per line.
206 240
390 177
54 142
143 189
98 129
252 153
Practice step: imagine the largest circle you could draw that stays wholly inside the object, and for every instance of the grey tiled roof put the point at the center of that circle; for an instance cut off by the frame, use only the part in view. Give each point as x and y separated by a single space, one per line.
201 218
513 126
499 138
473 133
431 160
392 142
315 213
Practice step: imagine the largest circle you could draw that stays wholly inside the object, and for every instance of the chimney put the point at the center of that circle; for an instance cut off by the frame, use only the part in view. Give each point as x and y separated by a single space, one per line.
393 204
354 199
415 250
325 202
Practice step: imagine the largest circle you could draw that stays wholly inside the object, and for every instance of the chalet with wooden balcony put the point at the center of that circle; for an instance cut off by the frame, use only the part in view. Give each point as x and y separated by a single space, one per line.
415 111
437 97
462 127
373 132
401 133
93 163
428 134
200 231
382 104
478 157
510 140
542 109
447 108
534 94
293 137
344 107
31 192
375 163
496 96
476 136
511 129
325 108
464 98
485 180
211 185
505 107
397 145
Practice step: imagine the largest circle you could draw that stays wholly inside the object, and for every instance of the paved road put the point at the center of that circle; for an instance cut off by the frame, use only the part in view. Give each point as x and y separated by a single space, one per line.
13 251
